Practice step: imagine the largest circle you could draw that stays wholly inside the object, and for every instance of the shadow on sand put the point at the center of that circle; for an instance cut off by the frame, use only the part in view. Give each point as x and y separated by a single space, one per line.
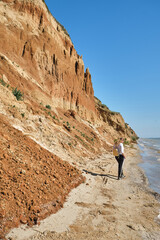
102 175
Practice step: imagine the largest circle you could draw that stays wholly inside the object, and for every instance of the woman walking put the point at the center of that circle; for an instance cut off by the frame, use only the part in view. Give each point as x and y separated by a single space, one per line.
120 159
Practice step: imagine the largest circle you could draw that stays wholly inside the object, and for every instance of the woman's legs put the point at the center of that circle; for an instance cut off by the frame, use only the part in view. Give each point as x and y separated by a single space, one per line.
120 163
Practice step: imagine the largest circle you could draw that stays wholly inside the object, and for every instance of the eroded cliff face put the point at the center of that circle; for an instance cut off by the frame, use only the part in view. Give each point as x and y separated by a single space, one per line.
113 124
55 125
38 56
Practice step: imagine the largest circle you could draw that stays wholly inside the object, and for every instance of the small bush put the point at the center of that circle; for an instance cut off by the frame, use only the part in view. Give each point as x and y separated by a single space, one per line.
22 114
112 113
48 106
17 93
78 138
126 142
2 82
134 139
103 106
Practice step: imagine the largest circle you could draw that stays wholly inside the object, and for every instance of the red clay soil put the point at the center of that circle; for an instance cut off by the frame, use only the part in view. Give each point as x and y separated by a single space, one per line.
33 182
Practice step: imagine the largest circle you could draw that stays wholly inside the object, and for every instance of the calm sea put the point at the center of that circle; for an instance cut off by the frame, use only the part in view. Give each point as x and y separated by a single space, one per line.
150 152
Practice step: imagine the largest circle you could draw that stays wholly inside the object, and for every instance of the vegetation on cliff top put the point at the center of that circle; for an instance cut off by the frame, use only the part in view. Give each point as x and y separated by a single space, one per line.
104 107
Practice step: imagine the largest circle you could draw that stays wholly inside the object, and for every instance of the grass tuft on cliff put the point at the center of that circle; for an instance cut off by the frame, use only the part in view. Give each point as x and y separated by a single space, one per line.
17 93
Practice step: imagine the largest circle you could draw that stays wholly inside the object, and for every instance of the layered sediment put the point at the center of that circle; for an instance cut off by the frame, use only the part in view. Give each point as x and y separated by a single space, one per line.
38 56
50 121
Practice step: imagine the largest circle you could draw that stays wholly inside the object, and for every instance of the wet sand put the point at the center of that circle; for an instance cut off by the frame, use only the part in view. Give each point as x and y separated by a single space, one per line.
103 207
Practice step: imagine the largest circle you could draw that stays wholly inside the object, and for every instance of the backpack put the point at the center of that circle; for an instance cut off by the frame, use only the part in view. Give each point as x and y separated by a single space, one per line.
115 152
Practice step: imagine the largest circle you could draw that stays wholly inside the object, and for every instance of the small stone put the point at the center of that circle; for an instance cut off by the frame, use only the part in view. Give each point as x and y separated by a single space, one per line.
23 219
22 171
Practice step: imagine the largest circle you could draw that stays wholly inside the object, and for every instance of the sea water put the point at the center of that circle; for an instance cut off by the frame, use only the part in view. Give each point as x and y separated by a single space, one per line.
150 152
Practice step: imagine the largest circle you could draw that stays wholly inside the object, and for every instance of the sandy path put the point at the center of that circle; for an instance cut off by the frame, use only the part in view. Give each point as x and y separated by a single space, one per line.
103 207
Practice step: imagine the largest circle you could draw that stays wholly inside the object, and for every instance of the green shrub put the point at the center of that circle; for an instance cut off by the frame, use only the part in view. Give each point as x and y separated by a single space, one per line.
113 113
3 82
103 106
48 106
22 114
134 139
78 138
17 93
126 142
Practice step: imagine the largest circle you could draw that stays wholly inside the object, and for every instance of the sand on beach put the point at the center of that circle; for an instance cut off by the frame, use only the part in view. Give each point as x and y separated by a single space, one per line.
103 207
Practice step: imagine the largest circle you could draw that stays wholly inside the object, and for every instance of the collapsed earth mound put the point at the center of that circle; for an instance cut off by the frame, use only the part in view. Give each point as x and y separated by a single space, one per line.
34 182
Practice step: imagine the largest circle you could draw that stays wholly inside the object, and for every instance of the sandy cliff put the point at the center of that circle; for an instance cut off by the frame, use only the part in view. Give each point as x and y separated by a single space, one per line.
38 56
48 114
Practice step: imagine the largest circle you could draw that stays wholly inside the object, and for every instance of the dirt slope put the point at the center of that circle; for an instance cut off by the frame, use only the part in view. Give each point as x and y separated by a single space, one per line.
34 182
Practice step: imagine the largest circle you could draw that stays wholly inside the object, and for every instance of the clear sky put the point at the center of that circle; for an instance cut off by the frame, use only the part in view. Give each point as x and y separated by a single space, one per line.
120 43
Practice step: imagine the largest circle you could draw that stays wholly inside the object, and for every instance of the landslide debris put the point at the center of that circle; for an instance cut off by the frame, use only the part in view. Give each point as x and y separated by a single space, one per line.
33 182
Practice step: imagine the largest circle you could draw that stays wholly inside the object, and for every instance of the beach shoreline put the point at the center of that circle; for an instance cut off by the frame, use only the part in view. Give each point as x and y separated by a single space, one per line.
149 150
103 207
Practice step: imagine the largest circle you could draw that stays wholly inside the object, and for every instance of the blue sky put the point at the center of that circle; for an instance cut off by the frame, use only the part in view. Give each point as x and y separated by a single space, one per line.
120 43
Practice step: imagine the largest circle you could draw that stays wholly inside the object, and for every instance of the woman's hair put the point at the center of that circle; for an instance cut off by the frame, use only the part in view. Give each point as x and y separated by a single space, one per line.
116 141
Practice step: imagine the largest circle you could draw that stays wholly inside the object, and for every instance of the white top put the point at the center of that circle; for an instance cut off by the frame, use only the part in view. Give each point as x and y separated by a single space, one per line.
120 148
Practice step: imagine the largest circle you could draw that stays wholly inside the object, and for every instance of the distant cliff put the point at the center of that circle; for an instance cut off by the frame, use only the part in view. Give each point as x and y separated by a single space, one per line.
114 123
